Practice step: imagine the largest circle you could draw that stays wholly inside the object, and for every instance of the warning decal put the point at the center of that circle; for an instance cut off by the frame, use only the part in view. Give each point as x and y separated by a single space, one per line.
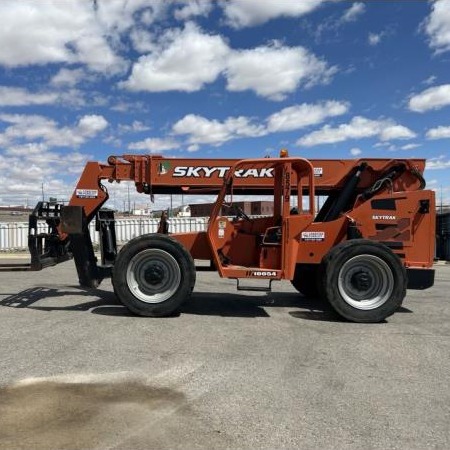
318 171
86 193
314 236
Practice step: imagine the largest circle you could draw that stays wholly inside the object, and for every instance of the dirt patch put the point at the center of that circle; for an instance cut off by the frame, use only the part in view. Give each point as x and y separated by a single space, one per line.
55 414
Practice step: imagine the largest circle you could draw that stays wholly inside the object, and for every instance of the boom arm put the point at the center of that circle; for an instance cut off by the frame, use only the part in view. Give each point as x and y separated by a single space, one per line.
158 175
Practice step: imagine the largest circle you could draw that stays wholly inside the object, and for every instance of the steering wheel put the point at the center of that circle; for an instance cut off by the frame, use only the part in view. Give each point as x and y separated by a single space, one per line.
241 214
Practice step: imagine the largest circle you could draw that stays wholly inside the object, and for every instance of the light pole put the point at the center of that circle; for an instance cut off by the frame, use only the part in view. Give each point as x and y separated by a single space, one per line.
129 201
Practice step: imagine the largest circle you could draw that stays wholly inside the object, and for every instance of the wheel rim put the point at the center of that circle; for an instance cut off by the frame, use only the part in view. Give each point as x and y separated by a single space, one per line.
365 282
153 275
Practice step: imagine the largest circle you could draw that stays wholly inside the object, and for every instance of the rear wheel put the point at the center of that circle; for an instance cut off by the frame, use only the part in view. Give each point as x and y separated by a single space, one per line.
153 275
305 280
364 281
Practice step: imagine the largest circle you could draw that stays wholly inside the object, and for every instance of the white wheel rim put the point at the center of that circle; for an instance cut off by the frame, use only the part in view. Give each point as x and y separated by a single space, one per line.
365 282
153 275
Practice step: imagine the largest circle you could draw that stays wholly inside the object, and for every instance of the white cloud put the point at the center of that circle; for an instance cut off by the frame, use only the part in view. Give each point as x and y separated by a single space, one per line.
246 13
154 145
192 8
136 127
27 149
409 146
430 80
187 59
381 144
27 160
374 39
275 71
59 32
396 132
193 148
439 133
437 26
120 15
26 166
352 13
201 130
437 163
90 125
358 128
143 41
123 105
435 97
16 96
300 116
355 151
68 77
28 128
184 60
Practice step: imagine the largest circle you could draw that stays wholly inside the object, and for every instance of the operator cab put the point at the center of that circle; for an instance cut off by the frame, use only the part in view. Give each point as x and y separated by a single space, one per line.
263 247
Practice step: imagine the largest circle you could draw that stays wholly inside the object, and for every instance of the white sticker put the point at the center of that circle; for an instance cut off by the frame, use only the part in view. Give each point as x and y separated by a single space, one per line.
86 193
264 273
318 171
221 232
315 236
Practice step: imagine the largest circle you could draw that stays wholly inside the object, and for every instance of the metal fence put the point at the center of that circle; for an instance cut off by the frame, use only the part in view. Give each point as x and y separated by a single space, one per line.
14 235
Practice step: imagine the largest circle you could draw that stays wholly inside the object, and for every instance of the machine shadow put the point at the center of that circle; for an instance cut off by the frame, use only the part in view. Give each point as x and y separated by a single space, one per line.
237 305
28 298
212 304
208 304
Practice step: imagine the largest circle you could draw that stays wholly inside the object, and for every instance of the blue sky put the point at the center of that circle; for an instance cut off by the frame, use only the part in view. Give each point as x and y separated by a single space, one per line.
83 79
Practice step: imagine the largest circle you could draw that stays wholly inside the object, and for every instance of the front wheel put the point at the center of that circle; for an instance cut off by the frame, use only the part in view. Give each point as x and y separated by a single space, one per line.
364 281
153 275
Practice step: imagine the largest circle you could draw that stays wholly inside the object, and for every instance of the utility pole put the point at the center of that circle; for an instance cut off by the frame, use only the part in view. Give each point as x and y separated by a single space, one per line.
42 188
129 200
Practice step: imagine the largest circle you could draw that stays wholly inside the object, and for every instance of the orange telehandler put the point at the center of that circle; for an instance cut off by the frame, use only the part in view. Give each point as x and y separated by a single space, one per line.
371 240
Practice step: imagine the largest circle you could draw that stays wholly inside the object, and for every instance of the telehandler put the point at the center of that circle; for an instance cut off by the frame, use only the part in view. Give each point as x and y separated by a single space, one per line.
372 239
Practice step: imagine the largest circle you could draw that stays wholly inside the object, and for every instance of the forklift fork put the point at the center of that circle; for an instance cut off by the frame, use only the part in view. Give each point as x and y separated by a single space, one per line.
48 248
45 246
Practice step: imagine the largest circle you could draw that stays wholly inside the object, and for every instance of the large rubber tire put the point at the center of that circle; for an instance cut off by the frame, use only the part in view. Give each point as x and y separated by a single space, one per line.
153 275
364 281
305 280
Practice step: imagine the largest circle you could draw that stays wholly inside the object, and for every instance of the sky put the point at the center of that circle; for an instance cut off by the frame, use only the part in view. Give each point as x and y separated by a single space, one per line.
83 79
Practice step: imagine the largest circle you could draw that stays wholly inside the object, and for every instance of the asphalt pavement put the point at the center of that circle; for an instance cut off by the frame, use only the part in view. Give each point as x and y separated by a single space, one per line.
232 370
